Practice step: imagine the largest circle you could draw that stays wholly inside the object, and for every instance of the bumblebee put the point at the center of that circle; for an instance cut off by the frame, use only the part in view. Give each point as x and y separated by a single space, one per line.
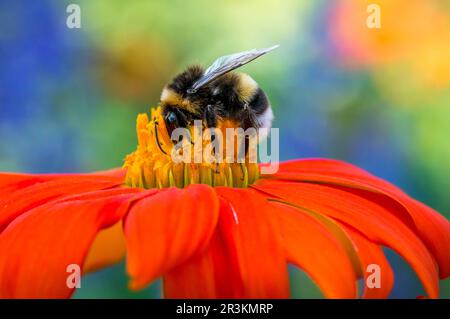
217 95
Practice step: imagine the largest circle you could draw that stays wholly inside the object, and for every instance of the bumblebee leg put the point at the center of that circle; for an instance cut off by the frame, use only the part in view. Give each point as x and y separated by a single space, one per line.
210 120
209 116
249 120
182 118
183 121
242 165
156 136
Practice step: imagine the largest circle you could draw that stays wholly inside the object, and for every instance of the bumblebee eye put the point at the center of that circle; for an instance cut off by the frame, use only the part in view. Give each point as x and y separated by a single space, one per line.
171 122
171 118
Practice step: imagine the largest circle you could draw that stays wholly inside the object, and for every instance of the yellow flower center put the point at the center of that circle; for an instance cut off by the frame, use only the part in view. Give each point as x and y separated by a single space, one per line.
151 165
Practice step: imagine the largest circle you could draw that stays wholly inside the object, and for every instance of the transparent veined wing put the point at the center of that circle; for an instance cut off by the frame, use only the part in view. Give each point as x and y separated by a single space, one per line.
228 63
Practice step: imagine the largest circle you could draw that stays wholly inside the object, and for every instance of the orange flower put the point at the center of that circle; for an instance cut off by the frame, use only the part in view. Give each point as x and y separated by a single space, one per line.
406 39
208 240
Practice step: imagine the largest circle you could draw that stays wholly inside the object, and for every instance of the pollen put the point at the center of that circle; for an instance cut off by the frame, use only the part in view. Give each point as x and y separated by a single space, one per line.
152 164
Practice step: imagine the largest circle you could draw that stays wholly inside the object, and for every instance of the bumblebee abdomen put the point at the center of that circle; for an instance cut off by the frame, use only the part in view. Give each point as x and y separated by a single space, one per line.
246 87
259 102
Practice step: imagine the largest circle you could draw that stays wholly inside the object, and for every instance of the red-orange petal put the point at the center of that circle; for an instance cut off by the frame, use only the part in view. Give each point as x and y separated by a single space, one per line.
312 247
372 219
432 227
17 181
19 193
37 247
212 274
108 248
252 235
372 254
165 230
117 173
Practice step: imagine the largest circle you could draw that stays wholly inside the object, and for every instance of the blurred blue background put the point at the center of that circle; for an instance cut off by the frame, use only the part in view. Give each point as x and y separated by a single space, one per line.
378 98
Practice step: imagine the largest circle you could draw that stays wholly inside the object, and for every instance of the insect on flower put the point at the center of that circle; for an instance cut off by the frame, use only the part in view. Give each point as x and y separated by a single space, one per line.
213 231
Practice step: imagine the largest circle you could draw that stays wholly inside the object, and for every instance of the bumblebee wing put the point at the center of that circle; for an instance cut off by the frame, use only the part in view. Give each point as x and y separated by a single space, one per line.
228 63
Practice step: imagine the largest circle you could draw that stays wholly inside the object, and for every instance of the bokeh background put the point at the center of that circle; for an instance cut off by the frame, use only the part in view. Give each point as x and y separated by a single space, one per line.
378 98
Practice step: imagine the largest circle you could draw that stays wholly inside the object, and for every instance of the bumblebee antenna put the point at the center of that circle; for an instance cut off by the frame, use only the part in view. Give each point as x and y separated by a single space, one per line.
157 138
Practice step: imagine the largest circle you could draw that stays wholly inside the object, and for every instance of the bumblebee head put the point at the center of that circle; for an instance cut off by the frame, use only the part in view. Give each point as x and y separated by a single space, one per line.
175 94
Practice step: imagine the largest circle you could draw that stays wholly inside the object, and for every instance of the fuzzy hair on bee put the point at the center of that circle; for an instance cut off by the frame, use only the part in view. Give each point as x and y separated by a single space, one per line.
217 94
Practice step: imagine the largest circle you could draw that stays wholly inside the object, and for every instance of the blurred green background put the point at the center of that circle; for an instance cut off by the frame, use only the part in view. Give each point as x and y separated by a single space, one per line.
378 98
